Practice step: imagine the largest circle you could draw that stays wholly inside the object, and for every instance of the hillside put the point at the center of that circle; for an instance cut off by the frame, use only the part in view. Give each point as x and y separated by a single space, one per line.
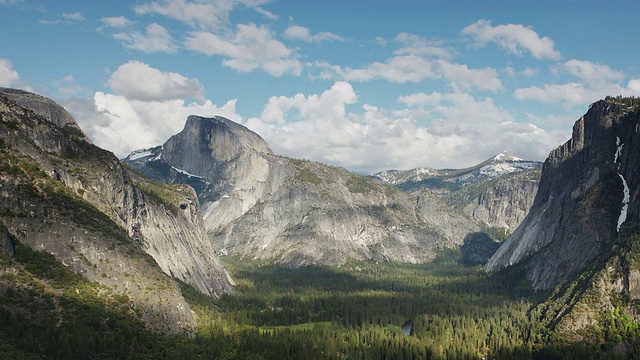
66 197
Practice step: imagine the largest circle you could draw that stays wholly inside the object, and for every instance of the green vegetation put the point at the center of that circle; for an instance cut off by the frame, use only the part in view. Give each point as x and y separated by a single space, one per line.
304 174
354 311
359 184
48 311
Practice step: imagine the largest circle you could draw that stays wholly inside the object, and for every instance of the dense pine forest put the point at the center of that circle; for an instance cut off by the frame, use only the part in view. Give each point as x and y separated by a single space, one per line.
361 310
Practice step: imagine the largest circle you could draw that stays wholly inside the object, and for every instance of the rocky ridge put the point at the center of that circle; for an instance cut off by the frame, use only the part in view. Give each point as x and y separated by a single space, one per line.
298 212
63 195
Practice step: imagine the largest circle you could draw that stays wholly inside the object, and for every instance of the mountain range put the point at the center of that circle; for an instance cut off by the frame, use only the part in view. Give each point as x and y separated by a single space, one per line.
297 212
148 229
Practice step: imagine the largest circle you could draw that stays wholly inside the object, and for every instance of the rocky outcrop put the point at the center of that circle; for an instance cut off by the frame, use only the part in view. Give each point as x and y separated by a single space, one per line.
505 202
70 198
6 245
588 193
299 212
46 108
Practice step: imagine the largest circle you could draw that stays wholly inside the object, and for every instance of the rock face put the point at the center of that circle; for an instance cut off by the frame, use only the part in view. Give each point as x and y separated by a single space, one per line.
588 192
497 192
299 212
66 196
506 201
46 108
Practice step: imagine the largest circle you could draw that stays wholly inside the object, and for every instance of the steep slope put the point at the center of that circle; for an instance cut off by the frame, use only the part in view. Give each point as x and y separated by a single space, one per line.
588 194
502 203
497 192
46 108
66 196
299 212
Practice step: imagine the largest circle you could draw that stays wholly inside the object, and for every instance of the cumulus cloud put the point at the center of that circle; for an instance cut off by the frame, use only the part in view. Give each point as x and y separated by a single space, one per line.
116 22
8 75
634 86
593 73
122 125
437 130
595 81
200 13
148 107
295 32
136 80
155 39
411 68
514 38
250 47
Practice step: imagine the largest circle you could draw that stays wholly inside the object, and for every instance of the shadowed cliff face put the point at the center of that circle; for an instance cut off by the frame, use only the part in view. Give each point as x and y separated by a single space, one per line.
299 212
581 199
78 202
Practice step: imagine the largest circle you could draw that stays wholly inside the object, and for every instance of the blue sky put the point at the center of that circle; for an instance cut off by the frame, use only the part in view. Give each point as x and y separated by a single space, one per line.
368 85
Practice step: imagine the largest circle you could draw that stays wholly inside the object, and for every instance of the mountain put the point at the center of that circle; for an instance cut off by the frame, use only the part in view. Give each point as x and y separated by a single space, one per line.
497 192
46 108
69 198
588 196
298 212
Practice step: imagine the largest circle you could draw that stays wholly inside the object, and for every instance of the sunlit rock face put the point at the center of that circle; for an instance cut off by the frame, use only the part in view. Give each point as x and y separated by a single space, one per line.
296 212
588 192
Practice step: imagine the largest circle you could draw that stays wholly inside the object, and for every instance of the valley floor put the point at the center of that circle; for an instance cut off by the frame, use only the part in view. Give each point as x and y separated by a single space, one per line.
356 311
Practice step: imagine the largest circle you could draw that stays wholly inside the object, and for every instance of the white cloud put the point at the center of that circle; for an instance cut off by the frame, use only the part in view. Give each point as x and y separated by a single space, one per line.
200 13
572 93
295 32
148 107
411 68
420 46
320 128
138 81
514 38
156 39
117 22
67 18
595 82
8 76
122 125
76 16
250 47
634 86
593 73
528 72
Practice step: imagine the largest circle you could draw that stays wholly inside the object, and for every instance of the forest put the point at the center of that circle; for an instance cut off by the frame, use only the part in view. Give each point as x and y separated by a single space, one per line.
360 310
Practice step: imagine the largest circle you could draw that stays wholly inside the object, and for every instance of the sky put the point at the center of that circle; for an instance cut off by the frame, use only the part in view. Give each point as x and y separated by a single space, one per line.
368 85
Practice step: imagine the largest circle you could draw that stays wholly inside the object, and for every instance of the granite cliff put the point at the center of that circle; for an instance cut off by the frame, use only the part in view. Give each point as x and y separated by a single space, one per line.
63 195
588 196
298 212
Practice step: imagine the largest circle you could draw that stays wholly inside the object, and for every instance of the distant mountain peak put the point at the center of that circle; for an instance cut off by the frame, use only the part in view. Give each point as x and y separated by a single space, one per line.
506 156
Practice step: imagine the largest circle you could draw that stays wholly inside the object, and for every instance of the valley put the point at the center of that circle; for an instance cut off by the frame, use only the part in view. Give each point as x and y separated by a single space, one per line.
212 246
